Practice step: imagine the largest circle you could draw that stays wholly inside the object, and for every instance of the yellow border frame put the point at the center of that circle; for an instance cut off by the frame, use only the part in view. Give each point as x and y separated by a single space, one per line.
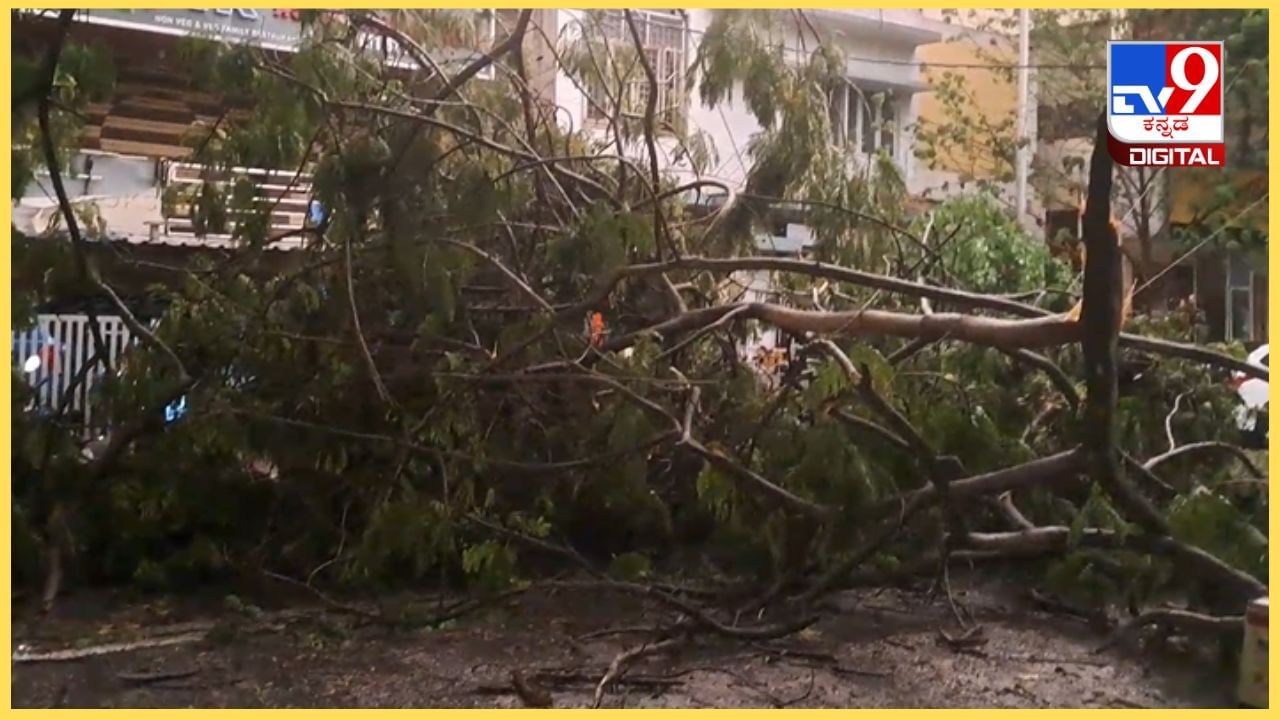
6 309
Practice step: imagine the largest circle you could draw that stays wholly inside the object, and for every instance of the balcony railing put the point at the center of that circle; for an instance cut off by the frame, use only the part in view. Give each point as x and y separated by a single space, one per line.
285 194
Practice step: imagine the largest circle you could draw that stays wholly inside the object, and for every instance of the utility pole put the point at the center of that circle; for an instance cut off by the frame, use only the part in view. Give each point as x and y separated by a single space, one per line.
1022 161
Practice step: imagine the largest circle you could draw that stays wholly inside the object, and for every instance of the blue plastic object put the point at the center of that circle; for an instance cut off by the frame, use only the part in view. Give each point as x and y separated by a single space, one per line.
175 409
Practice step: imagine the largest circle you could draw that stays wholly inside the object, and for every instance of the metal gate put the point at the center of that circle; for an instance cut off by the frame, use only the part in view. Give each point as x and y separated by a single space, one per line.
63 344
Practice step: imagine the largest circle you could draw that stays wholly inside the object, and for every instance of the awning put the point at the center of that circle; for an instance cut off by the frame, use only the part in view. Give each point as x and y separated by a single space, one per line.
908 26
872 77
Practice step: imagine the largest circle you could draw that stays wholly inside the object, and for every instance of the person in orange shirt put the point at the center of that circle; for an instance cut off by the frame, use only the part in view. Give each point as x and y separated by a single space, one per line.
597 331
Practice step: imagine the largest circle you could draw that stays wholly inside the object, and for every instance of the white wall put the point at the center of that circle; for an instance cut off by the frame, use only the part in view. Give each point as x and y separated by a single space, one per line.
866 36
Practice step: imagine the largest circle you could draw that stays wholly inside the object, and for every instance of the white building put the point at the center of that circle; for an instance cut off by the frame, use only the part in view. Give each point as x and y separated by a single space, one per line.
880 46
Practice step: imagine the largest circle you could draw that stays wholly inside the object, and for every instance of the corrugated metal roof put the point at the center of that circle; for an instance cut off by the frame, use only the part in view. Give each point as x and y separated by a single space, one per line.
215 242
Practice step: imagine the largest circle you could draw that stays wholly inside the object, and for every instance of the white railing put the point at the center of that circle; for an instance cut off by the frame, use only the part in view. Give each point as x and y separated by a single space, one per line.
63 344
286 194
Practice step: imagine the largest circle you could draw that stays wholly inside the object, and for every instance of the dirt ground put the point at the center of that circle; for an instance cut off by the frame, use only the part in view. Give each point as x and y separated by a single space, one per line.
882 650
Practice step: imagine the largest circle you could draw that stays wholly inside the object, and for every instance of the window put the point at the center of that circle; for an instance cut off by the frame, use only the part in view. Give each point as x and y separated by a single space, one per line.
1177 286
1239 298
1064 120
504 21
864 119
662 36
1062 225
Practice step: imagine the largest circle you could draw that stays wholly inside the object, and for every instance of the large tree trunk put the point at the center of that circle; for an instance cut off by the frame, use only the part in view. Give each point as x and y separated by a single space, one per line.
1100 318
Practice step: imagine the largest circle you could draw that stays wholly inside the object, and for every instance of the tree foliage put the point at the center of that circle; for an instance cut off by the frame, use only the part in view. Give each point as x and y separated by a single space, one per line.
1068 66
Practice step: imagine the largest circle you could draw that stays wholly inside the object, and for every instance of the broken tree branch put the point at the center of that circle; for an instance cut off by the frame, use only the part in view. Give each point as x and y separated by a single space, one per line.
975 329
1203 448
44 92
1056 538
604 286
1050 368
1100 318
755 480
1182 621
880 431
1051 471
1005 502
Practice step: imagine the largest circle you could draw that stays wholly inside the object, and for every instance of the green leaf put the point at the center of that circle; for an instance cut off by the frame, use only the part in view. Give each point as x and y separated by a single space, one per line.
490 564
715 491
630 566
882 373
1206 519
537 527
440 291
829 381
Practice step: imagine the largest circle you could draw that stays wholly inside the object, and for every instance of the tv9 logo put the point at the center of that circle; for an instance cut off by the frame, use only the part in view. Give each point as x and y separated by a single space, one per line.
1164 103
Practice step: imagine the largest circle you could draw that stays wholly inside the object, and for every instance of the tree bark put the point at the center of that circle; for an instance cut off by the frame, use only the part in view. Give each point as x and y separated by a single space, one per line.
1100 318
1049 331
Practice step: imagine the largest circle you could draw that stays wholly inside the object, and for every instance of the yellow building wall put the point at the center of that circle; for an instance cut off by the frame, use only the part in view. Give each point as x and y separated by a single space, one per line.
995 98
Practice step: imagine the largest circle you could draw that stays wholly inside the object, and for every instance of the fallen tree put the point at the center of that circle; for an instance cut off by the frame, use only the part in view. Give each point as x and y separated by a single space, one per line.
507 352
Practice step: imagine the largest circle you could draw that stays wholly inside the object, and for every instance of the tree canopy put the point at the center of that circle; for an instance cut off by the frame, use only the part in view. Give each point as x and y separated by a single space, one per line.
1068 50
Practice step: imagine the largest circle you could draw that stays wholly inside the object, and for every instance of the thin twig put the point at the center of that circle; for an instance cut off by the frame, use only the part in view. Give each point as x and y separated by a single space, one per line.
325 598
1168 421
1050 368
365 353
1206 447
620 662
142 678
661 233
